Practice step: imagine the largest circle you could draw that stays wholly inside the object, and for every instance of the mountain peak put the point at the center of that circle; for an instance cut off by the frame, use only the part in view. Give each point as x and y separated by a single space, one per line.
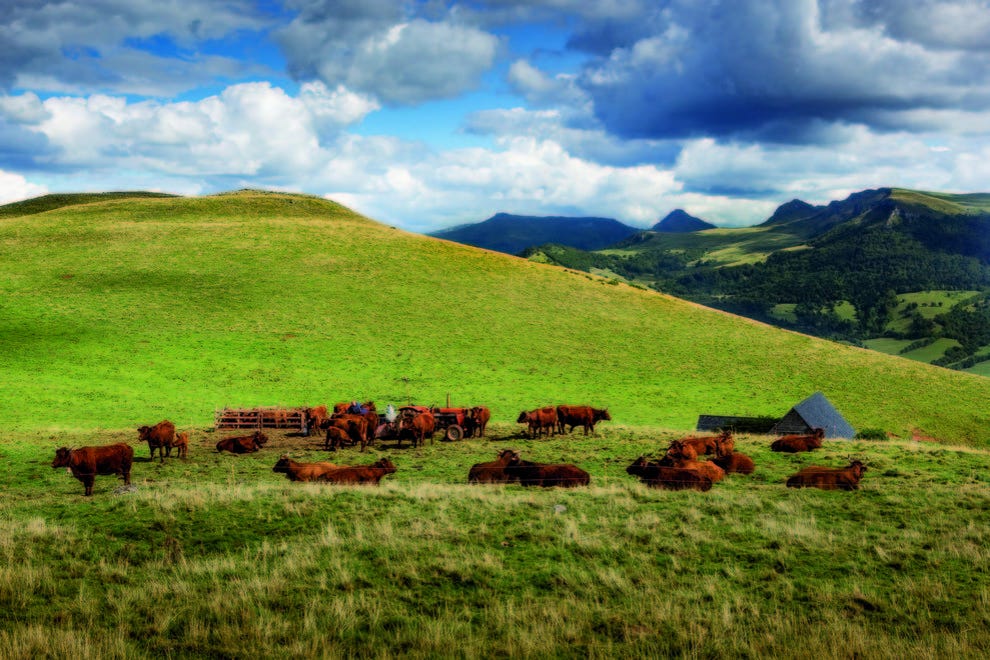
681 221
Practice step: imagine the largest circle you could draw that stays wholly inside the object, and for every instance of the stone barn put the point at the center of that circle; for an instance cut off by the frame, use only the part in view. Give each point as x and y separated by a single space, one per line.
814 412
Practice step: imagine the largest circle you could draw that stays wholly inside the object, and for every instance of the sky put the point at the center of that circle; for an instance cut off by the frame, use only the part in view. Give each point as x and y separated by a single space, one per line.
430 114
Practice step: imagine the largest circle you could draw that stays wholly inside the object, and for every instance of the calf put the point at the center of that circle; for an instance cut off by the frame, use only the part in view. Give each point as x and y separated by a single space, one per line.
181 444
355 426
540 421
796 443
815 476
336 438
303 471
546 475
669 478
360 474
87 462
160 437
584 416
492 472
243 444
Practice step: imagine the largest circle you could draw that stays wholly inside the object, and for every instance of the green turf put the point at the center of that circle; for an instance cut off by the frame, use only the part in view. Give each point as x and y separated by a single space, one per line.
217 556
123 312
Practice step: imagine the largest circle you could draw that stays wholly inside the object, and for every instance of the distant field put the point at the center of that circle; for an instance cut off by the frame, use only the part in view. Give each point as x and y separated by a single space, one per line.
219 556
122 312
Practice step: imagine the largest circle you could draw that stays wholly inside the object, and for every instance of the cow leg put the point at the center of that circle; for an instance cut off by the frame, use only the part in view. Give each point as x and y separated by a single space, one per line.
88 483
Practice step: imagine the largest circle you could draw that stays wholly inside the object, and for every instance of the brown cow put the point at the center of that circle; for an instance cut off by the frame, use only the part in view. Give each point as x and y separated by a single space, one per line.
360 474
735 463
420 425
585 416
815 476
315 417
479 416
336 438
797 443
655 475
492 472
181 444
545 475
356 427
708 444
303 471
87 462
344 406
540 421
682 455
160 437
243 444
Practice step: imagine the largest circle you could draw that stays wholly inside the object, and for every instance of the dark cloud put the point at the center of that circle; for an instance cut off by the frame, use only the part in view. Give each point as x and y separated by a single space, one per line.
777 69
400 54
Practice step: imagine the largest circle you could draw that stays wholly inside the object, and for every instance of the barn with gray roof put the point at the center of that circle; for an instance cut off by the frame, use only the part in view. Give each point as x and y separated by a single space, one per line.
815 412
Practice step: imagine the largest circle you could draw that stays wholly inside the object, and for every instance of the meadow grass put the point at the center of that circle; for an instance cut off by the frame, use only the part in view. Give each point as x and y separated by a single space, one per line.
121 312
219 556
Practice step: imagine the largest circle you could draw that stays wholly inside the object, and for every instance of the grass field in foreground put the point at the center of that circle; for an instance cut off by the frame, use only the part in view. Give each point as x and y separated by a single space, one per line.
121 312
219 556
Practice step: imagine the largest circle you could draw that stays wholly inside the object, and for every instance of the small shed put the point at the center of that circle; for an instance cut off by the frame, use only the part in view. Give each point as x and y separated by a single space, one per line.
815 412
736 424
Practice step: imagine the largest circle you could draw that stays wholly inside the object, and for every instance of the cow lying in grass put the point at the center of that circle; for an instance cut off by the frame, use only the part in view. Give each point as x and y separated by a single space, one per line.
655 475
708 444
796 443
682 455
87 462
727 458
243 444
545 475
492 472
815 476
303 471
359 474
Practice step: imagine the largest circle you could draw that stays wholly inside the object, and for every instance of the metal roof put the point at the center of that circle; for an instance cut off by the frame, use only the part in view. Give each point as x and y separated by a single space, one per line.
818 412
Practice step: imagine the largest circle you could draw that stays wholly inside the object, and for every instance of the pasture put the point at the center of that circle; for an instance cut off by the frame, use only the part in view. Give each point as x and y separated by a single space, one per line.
124 310
218 555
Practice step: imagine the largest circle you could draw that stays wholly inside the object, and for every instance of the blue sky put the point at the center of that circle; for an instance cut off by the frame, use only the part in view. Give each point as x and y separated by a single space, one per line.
434 113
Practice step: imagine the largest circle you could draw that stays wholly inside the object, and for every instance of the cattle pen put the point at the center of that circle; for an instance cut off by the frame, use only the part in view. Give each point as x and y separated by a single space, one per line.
261 418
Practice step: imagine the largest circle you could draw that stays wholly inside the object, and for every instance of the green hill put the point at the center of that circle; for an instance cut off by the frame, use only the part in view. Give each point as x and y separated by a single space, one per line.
120 312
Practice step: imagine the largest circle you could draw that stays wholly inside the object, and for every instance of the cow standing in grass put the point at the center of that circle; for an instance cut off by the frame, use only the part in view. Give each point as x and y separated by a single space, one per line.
540 421
583 416
159 437
87 462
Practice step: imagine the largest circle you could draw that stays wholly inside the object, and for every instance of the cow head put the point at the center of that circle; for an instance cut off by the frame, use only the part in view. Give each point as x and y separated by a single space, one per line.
725 444
63 456
523 417
601 415
386 465
143 433
260 438
283 464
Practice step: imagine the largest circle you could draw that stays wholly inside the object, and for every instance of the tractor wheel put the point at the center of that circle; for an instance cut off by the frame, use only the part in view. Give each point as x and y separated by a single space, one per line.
454 433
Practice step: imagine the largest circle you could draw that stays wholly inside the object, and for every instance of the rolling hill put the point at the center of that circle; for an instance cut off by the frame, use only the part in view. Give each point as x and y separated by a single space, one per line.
119 312
511 234
846 270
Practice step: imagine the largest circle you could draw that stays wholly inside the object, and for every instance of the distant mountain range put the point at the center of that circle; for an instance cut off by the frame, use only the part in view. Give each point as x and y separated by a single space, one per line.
504 232
899 265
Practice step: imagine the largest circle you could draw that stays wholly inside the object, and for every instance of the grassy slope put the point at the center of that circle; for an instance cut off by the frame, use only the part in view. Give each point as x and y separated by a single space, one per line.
123 312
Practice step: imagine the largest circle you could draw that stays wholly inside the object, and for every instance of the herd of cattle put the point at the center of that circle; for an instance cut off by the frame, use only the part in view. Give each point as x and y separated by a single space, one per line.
679 469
